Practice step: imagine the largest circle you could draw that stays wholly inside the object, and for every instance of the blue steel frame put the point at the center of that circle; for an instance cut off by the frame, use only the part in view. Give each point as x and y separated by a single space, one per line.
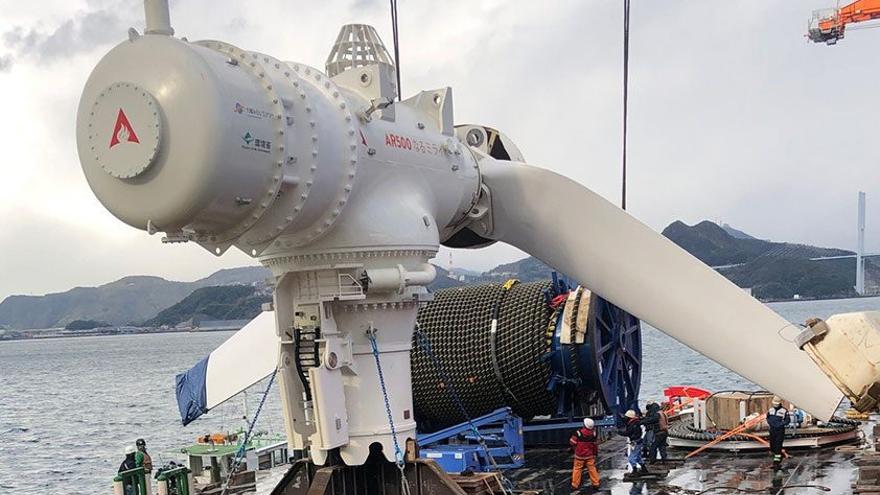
608 364
502 432
613 356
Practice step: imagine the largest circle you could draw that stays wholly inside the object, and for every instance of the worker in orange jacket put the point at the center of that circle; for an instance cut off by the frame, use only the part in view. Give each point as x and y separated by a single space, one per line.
586 449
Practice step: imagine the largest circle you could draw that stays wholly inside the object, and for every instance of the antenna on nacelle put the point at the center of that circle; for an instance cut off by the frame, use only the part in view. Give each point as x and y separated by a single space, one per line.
157 17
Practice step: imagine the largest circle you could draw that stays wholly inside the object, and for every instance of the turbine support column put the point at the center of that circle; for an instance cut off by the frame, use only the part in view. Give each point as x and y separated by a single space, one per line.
330 385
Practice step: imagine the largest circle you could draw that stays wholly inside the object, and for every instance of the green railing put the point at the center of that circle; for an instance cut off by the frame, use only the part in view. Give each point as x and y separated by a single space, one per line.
135 478
175 481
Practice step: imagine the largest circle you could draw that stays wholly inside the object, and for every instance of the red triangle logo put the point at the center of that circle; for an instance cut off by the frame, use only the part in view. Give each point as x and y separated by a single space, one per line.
122 131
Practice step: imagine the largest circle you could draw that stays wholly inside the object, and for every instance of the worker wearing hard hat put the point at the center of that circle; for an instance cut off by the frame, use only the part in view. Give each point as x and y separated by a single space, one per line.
633 431
656 432
142 458
777 419
586 448
128 464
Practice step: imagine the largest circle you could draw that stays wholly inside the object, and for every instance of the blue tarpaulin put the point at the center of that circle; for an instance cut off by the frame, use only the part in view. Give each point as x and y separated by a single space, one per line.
192 399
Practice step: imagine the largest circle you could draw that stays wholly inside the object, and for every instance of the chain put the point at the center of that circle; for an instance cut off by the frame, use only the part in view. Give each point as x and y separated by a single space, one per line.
239 455
398 453
425 343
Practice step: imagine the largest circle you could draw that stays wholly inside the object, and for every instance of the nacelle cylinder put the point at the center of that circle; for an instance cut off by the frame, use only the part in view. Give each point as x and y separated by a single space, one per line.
200 139
207 142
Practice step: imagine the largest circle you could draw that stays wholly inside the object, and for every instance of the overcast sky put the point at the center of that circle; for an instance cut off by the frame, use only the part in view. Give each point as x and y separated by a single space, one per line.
733 116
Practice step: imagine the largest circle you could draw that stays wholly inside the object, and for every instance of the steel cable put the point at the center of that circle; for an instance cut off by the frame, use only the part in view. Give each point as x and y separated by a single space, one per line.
394 35
625 93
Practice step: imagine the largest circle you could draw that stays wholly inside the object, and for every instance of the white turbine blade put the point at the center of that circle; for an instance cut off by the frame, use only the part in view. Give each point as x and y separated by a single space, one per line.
250 355
578 232
247 357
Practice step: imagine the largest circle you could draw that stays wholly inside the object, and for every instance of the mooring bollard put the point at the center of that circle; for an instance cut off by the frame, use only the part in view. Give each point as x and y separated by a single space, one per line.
136 478
181 478
162 485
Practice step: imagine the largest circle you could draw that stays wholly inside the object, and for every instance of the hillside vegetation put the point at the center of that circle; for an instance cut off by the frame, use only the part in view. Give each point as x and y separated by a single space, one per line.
85 325
773 270
225 302
129 300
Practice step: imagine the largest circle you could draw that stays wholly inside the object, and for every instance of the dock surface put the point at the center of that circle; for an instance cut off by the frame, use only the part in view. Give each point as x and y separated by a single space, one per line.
831 470
811 472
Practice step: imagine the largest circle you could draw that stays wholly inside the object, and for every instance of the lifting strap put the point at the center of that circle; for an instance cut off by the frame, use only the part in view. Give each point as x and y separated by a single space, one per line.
493 337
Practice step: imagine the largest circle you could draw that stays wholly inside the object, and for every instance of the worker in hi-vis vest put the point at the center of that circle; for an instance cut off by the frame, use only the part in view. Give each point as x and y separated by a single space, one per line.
586 449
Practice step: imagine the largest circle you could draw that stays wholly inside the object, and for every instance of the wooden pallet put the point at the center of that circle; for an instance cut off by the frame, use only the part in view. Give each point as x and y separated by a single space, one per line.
868 481
483 484
652 474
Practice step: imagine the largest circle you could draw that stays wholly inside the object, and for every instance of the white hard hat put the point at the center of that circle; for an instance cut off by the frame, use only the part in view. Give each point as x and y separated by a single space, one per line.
130 449
588 423
630 414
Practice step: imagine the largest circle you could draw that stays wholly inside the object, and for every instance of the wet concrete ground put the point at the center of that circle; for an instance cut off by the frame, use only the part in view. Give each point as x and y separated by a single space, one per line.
809 472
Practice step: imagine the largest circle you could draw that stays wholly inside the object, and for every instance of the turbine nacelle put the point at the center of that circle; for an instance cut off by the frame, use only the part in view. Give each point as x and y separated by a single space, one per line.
214 144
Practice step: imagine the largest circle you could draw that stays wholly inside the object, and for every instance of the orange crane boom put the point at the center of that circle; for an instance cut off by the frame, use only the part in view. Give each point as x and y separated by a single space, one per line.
829 26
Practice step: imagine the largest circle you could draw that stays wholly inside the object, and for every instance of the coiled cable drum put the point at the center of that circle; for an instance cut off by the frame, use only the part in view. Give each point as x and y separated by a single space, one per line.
488 370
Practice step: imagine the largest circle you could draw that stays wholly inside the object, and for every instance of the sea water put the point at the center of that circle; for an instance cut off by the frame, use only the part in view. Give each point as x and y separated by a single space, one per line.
68 407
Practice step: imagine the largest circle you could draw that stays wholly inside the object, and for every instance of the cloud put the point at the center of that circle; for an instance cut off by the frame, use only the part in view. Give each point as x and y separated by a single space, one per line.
85 32
77 256
732 116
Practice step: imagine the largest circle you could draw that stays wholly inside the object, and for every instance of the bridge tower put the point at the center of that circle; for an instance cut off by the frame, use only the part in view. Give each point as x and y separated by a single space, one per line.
860 248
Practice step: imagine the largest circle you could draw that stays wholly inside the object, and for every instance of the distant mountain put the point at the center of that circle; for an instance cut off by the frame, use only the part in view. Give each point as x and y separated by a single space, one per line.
137 299
525 270
712 245
85 325
127 300
773 277
224 302
444 280
739 234
773 270
716 247
237 302
247 275
465 272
